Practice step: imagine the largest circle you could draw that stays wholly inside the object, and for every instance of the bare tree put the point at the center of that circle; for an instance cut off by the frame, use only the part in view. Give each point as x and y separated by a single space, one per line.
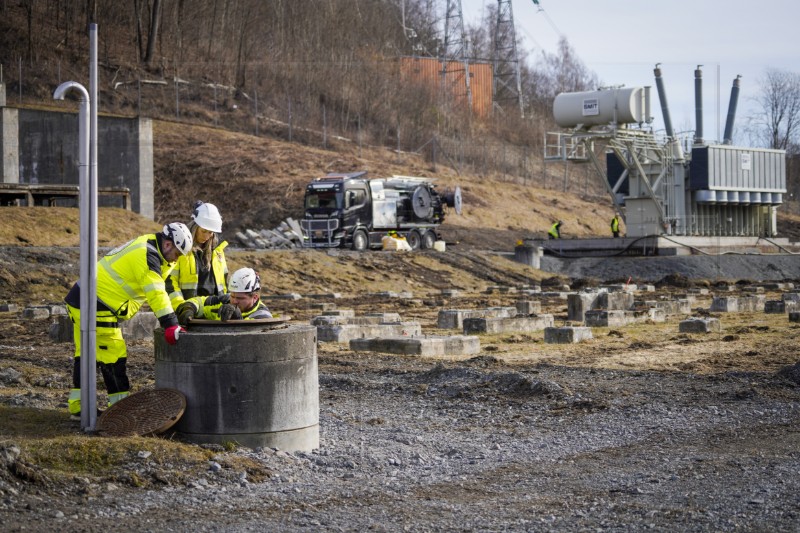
778 124
155 20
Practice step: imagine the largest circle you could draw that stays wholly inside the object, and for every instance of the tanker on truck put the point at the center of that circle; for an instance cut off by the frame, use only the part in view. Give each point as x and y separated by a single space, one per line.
351 210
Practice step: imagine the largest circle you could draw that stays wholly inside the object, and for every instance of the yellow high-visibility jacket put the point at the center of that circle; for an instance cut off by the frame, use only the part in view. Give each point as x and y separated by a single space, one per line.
132 274
182 282
211 312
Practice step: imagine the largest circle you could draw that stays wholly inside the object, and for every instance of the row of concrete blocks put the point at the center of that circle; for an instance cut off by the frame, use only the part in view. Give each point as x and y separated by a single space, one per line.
448 345
35 311
733 304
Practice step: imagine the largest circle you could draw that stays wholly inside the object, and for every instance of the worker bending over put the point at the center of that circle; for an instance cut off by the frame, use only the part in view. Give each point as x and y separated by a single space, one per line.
555 230
127 277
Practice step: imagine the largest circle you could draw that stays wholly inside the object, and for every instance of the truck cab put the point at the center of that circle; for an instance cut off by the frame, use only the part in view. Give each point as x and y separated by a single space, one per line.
336 205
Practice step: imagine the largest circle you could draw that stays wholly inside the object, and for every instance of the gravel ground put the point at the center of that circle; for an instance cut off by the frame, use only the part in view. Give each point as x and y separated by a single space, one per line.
415 445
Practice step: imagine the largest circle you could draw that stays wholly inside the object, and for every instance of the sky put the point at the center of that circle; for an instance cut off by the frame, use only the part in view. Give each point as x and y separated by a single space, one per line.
622 40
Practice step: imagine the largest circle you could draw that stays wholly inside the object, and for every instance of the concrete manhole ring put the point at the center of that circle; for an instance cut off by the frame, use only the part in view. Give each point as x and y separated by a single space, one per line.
146 412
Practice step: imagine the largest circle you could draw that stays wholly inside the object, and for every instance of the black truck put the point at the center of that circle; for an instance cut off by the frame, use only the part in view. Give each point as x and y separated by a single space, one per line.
350 210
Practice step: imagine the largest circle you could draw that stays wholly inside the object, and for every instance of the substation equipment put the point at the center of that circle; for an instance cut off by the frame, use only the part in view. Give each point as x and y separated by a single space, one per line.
672 184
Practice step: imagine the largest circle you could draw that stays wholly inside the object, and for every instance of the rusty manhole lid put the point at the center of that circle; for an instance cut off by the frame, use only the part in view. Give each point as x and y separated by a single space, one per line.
256 322
146 412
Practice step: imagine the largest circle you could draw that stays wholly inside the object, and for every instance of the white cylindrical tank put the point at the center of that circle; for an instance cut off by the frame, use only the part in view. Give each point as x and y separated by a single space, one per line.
592 108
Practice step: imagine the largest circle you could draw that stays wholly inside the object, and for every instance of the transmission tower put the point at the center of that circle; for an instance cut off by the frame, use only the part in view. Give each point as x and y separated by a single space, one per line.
453 55
506 84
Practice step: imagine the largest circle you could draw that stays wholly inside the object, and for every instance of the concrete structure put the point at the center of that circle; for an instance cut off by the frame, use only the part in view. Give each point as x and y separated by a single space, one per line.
41 147
8 308
699 325
426 346
579 303
507 325
348 332
454 318
528 307
244 384
567 335
602 318
724 304
36 312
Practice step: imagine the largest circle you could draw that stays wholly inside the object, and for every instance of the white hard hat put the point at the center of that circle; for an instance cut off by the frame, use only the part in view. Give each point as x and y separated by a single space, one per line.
207 216
180 236
244 280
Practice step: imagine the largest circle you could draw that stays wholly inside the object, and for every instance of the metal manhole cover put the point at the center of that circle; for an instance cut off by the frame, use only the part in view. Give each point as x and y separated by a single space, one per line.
146 412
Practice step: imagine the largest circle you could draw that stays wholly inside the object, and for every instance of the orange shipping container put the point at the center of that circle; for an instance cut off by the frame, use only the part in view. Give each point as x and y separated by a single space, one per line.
429 71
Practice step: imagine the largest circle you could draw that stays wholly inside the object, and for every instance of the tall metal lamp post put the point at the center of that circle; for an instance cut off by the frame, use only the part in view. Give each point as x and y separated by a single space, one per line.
87 183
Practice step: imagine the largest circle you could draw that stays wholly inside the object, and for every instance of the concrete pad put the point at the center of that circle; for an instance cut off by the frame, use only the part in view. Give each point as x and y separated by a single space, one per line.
323 306
426 346
699 325
724 304
36 312
507 325
61 329
287 296
348 332
567 335
780 306
528 307
752 304
8 308
346 313
603 318
454 318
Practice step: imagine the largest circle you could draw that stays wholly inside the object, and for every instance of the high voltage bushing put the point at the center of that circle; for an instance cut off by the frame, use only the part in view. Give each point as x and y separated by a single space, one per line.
247 385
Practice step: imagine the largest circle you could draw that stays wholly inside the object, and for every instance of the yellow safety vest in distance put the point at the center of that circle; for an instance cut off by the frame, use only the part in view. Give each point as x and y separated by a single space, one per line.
615 224
554 230
184 277
211 312
132 274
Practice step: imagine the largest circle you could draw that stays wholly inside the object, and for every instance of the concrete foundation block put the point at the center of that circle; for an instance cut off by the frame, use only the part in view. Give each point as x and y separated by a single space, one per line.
33 313
753 289
603 318
348 332
507 325
323 306
752 304
648 288
345 313
614 301
779 306
698 291
724 304
529 307
656 315
57 309
450 293
139 327
699 325
8 308
287 296
61 329
567 335
325 295
578 304
426 346
794 316
454 318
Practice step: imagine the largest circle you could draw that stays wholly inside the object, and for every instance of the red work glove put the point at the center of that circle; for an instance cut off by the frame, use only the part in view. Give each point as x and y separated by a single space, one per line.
172 333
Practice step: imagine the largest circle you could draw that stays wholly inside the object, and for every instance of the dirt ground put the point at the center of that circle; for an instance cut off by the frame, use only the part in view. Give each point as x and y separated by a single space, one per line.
641 427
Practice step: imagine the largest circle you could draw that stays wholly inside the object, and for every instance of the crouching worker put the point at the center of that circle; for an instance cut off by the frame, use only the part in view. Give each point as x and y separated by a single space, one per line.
243 301
127 277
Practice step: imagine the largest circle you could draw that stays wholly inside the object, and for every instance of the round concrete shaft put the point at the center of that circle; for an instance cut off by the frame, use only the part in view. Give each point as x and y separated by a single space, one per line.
246 386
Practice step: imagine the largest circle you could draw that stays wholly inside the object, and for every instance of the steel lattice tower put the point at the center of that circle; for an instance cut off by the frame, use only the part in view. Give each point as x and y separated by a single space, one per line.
506 84
453 55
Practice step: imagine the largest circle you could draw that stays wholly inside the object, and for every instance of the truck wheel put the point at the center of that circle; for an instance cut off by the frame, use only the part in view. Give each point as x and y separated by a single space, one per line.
427 240
360 241
414 239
